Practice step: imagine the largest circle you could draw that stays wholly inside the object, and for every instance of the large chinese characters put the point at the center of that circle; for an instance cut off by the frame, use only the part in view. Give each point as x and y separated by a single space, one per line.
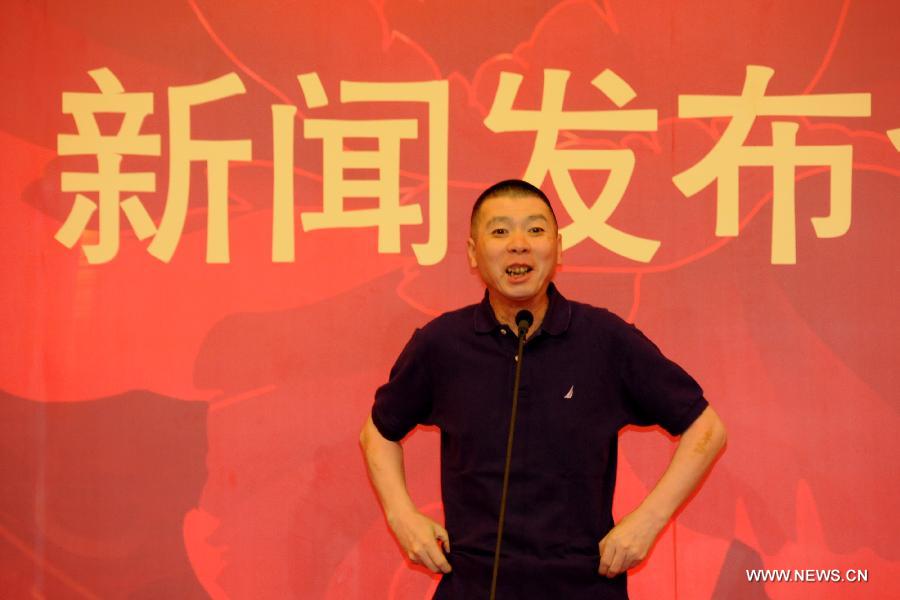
384 154
548 158
783 156
389 214
109 182
721 164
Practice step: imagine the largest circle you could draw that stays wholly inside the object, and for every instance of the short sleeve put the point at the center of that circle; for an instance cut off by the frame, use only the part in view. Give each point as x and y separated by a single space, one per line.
405 400
658 391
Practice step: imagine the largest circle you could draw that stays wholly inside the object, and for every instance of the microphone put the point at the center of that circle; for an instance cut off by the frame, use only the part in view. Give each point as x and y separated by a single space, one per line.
524 319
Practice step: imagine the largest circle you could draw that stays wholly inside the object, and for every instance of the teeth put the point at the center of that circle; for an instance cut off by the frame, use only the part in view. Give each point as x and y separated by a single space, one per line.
518 270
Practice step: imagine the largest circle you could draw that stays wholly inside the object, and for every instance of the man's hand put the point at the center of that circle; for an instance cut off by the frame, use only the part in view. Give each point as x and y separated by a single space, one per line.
419 537
417 534
628 543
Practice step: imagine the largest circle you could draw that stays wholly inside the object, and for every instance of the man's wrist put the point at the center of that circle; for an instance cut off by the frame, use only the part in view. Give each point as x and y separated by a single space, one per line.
656 516
395 514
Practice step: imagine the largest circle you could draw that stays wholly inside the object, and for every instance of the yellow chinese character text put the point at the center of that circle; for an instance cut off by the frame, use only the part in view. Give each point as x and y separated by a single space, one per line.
108 182
183 150
547 158
389 214
784 156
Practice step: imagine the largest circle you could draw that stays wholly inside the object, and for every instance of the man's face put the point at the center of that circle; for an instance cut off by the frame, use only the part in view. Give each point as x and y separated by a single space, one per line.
515 247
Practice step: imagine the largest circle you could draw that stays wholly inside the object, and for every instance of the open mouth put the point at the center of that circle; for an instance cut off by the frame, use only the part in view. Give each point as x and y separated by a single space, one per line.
518 270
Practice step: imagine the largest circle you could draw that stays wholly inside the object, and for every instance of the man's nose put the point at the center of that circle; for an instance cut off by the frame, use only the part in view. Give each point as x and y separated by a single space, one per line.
518 241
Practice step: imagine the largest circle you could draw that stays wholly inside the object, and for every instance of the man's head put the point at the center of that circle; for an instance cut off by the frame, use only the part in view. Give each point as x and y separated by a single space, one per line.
514 242
515 188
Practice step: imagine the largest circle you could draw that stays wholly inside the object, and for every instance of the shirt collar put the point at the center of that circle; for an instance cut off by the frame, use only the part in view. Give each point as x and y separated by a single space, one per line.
556 320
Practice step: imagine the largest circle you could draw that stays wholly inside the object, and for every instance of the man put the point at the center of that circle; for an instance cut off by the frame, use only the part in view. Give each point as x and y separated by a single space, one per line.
585 374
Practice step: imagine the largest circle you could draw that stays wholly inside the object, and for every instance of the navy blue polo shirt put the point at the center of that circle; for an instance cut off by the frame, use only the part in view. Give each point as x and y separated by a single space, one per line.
585 374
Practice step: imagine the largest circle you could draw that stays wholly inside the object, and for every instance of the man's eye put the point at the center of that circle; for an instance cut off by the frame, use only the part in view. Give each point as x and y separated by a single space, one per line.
498 231
536 230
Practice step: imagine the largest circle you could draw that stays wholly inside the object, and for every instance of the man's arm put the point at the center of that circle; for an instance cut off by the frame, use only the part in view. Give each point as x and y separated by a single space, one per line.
628 543
416 533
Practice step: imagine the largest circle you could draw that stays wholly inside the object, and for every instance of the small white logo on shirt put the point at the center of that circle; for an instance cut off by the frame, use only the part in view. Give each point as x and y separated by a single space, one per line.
570 393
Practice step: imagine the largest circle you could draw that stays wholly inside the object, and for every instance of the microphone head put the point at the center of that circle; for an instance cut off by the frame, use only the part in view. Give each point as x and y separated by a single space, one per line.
524 319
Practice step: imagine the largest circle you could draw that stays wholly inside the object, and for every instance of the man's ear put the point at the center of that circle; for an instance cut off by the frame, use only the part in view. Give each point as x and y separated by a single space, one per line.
559 248
470 250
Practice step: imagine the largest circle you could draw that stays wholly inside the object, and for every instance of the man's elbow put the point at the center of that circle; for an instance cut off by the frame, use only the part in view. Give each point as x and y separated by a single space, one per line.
707 434
365 434
719 434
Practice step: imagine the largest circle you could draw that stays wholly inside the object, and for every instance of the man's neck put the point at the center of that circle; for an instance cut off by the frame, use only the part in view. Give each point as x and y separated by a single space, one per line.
506 311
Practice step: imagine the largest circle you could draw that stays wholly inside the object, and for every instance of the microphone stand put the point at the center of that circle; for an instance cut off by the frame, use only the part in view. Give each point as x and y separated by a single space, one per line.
524 319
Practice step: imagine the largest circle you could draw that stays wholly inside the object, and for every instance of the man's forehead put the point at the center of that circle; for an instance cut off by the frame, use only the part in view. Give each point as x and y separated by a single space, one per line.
509 207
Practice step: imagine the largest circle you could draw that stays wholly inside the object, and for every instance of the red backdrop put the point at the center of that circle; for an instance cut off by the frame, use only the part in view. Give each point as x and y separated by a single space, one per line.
187 426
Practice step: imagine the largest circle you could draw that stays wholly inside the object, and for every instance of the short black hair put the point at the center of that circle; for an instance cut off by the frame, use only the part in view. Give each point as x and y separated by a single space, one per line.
510 187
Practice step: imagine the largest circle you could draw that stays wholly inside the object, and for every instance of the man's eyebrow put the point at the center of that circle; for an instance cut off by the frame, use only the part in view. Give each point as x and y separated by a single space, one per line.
504 220
497 220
